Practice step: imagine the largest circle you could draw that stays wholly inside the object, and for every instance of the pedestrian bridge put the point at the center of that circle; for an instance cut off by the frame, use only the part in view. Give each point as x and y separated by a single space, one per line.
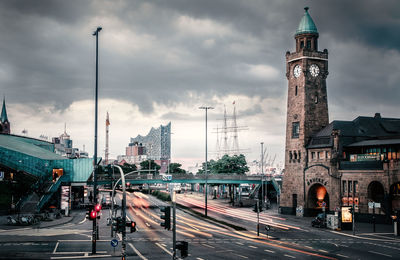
139 179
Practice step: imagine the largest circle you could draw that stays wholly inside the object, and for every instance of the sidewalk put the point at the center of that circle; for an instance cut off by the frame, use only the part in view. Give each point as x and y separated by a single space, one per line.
42 224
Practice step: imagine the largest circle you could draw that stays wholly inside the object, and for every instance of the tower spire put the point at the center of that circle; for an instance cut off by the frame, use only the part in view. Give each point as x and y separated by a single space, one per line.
4 117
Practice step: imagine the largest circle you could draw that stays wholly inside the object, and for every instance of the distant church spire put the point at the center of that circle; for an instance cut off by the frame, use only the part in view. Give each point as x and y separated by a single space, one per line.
4 117
4 123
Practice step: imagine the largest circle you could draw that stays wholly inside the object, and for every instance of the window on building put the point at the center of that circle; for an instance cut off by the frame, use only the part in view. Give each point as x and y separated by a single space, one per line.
295 129
319 155
301 44
328 155
295 91
355 183
299 155
312 155
290 156
344 187
295 155
316 99
350 187
308 44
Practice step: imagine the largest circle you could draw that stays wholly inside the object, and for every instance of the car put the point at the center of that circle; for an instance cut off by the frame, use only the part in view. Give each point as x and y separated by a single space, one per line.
319 221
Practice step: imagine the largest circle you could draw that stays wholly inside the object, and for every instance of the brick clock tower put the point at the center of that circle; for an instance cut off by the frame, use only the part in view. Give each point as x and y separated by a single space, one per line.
307 109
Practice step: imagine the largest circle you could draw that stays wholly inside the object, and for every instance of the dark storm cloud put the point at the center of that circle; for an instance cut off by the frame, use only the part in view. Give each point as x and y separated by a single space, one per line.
46 56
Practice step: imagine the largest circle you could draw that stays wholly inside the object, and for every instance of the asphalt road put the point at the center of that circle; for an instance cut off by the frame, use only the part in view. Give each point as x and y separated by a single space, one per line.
216 237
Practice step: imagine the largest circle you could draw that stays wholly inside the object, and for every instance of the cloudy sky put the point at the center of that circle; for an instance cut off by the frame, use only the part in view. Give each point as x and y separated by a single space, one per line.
160 60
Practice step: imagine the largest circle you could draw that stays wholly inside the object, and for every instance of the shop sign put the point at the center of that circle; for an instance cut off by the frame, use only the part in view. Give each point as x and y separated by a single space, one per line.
364 157
347 217
317 180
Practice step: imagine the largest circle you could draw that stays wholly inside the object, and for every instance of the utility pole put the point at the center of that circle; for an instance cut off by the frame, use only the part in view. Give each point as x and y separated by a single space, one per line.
262 173
95 230
173 222
206 188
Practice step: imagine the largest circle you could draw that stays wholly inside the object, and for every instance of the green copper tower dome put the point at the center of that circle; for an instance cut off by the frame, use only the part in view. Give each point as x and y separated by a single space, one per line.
307 24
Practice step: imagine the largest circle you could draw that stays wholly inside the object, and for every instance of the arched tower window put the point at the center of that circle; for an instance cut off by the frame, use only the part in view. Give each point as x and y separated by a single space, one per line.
295 91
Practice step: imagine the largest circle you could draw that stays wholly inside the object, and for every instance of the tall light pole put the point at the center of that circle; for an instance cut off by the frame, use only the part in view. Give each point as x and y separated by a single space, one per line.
205 209
262 174
94 233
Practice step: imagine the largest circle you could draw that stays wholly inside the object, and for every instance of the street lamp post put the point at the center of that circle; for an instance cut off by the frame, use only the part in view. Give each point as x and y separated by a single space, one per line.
262 174
205 209
94 233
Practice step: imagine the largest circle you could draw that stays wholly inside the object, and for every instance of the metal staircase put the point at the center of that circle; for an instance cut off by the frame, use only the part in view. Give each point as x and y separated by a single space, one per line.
49 192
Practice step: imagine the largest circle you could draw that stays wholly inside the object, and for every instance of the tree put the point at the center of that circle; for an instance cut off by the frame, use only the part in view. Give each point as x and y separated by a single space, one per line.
127 167
175 168
235 164
149 165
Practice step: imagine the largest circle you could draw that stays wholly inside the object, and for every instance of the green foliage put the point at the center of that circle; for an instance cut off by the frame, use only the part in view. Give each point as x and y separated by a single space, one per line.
145 166
235 164
162 195
128 167
175 168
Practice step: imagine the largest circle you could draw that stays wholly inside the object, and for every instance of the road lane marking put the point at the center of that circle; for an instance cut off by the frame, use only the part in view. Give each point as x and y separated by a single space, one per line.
242 256
199 258
323 251
208 246
137 252
345 256
79 257
55 248
289 256
269 251
239 243
253 247
76 253
379 253
163 248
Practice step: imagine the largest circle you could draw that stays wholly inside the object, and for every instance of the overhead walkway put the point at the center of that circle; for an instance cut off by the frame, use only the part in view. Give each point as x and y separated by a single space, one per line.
37 158
137 179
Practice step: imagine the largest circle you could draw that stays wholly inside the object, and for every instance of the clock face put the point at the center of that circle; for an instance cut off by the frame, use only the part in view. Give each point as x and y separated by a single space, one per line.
314 70
297 71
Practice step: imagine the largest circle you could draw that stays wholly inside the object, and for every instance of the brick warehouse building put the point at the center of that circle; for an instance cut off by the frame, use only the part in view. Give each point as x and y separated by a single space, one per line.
342 163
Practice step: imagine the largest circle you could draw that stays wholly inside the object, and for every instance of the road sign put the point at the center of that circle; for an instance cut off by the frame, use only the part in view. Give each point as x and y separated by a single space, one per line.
323 204
374 205
114 242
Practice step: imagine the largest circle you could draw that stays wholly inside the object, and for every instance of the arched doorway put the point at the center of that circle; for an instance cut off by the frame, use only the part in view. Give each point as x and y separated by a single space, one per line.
317 197
395 196
376 192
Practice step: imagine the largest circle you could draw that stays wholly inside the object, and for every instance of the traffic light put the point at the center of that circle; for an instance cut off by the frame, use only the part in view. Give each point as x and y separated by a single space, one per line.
114 224
97 207
120 225
166 216
183 246
93 214
132 225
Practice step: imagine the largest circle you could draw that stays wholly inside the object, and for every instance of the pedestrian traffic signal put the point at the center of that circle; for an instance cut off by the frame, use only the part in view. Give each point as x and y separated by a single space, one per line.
132 225
166 216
